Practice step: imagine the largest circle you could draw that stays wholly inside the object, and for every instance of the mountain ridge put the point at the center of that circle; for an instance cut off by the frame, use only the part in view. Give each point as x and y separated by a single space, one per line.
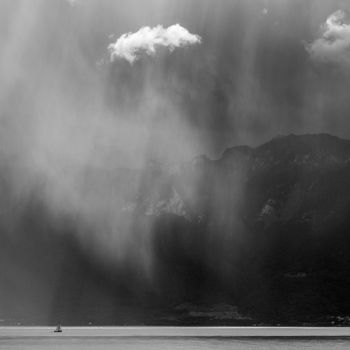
264 231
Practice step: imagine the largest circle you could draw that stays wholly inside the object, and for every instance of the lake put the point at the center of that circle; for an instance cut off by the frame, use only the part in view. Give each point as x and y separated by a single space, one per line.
78 338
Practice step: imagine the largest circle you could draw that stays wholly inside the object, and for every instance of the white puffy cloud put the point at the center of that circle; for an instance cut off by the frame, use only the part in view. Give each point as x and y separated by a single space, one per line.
147 40
334 44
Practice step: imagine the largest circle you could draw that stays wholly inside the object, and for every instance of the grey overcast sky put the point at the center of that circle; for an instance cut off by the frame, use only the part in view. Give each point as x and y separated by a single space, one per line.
262 68
88 86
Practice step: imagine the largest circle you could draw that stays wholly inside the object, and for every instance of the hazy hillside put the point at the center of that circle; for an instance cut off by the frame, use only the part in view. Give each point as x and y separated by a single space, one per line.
258 235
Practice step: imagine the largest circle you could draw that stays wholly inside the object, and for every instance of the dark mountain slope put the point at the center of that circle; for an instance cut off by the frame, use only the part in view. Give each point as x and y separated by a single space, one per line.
274 226
260 232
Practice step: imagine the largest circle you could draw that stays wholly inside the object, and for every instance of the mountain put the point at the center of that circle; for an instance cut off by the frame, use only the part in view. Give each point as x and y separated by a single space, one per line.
259 235
268 228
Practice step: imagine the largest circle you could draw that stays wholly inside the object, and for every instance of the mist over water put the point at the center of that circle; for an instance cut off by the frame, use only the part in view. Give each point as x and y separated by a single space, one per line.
69 121
86 126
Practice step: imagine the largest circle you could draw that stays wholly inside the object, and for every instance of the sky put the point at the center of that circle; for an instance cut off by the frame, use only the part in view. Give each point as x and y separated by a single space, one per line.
106 84
87 84
260 68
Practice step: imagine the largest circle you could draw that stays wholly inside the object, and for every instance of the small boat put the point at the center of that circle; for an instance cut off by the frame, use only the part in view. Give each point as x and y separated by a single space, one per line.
58 329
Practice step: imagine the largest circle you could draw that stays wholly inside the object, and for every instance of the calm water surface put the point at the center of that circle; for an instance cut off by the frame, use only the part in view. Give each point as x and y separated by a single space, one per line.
169 343
40 338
